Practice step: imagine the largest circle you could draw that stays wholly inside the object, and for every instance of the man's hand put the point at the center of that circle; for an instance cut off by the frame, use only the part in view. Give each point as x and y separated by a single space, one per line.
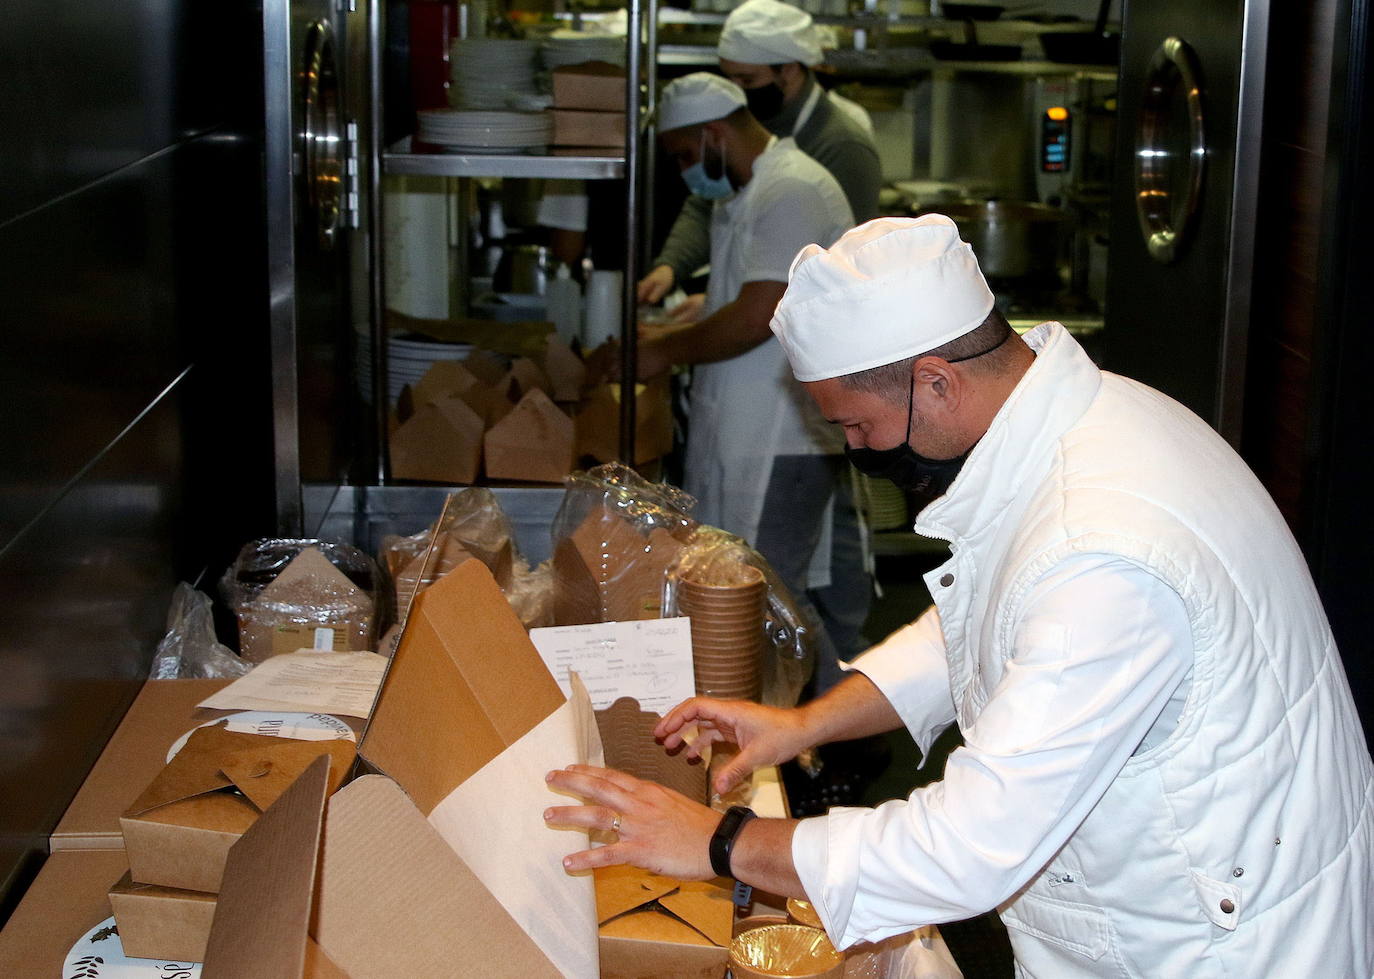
658 829
765 735
657 284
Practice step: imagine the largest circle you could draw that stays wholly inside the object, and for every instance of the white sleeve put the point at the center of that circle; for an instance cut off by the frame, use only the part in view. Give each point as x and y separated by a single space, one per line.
1099 650
910 670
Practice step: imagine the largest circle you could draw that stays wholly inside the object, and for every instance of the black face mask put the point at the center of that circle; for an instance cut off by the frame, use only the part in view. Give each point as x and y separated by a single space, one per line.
765 101
925 479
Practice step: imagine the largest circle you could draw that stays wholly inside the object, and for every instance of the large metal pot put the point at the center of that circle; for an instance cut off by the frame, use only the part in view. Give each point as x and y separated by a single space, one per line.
1013 240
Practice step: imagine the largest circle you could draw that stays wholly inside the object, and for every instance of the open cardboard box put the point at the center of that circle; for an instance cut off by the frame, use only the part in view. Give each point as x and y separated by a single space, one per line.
179 830
439 863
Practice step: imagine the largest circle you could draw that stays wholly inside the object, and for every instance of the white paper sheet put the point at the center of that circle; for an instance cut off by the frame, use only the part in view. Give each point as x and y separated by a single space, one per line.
650 661
310 682
495 822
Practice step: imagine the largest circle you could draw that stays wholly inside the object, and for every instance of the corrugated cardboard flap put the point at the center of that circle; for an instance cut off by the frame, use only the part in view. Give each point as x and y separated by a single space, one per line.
395 900
269 881
465 683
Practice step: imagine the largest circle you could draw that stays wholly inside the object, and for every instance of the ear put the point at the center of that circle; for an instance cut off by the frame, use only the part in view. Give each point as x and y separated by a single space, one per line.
938 389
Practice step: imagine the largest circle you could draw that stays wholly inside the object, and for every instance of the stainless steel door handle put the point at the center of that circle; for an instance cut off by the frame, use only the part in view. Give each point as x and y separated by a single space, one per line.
1167 201
322 137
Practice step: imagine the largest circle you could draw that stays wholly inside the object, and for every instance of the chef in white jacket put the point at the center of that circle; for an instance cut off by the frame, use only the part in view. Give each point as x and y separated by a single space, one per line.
1163 772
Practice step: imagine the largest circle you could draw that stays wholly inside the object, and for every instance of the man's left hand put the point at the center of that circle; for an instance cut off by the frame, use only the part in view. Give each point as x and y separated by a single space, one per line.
659 830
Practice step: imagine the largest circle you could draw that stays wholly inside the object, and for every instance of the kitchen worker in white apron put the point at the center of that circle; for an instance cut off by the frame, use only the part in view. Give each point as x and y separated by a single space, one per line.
752 435
1163 771
770 49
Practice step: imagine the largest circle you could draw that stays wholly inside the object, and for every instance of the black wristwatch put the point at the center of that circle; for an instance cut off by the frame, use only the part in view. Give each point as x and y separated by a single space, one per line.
723 839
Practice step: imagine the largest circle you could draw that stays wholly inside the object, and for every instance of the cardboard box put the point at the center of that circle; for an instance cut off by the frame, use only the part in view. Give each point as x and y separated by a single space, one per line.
179 830
567 374
652 926
308 596
161 922
574 127
596 85
370 883
394 898
163 711
447 378
65 901
534 443
598 422
440 443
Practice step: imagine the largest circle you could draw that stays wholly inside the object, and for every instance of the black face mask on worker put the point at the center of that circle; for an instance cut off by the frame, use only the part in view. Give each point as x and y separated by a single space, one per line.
926 480
765 101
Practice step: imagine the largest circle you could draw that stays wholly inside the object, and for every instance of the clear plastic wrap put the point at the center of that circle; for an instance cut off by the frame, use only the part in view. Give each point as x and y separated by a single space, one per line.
719 560
190 648
294 594
472 524
614 538
622 544
531 593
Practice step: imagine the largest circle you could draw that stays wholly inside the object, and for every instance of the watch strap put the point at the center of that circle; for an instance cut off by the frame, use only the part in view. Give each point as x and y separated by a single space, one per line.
723 839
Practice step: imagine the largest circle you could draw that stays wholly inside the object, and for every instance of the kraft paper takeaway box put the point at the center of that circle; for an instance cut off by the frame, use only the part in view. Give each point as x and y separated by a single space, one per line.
439 864
178 832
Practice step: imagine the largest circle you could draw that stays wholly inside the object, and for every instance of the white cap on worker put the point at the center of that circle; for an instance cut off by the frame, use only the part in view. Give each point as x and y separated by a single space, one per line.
697 98
769 32
887 290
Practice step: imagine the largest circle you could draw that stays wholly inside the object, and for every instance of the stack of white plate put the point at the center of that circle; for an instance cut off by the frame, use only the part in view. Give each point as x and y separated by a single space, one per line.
575 47
485 131
492 73
408 360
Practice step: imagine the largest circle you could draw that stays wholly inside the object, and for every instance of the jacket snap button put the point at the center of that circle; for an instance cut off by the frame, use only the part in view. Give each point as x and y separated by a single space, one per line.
946 580
1227 906
1238 872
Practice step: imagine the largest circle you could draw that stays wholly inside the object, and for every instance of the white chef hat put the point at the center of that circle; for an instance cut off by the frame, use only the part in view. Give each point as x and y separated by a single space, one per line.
887 290
697 98
769 32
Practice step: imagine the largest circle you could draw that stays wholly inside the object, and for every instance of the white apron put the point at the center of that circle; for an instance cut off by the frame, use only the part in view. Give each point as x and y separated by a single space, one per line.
748 409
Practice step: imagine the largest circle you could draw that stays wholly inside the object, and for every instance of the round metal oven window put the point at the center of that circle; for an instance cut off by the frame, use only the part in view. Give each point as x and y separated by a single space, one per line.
321 136
1170 151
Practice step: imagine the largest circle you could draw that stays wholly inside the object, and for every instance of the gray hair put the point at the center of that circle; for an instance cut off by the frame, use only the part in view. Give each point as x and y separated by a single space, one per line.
890 379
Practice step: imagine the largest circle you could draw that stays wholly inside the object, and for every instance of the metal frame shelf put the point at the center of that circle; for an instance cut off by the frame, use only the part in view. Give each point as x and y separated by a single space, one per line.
401 158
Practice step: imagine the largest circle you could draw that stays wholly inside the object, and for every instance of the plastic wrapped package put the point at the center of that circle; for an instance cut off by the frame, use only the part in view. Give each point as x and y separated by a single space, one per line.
472 524
294 594
714 562
614 538
531 593
623 543
190 648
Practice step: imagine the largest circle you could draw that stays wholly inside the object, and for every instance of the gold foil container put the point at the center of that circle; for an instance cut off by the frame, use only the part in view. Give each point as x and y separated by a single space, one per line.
803 913
784 952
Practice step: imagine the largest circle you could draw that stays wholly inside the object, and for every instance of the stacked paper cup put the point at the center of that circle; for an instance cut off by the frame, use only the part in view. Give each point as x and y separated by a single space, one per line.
727 631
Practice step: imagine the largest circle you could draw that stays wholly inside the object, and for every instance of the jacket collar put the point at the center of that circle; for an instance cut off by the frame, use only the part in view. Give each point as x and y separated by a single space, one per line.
1054 393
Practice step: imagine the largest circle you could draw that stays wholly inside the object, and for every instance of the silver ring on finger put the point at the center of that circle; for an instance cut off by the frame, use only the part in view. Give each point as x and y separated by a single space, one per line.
615 822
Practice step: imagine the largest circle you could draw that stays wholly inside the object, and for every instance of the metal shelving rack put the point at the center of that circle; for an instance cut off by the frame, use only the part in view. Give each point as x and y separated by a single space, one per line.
402 158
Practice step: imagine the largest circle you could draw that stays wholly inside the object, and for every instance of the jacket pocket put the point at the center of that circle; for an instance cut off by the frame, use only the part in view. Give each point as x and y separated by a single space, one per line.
1079 928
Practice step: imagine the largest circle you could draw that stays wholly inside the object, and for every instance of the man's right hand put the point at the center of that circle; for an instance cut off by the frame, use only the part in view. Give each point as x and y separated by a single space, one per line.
657 284
765 735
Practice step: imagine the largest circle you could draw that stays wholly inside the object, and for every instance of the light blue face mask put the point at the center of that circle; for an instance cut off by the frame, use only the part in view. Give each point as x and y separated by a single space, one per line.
704 186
